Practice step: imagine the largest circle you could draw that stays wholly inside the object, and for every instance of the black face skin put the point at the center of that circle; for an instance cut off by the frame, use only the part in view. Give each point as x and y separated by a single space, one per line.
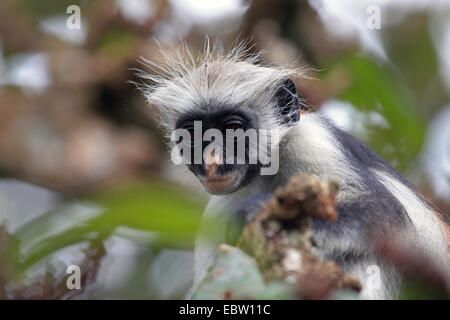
224 178
229 117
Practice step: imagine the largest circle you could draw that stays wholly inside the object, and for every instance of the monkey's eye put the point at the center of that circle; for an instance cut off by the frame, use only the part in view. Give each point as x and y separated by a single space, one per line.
192 133
234 124
195 138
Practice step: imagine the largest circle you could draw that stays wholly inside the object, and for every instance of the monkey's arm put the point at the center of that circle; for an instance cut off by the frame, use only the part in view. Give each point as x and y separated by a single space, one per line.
359 223
350 241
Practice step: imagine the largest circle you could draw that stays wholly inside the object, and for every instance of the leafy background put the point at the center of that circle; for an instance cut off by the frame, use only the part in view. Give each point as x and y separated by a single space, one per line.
85 175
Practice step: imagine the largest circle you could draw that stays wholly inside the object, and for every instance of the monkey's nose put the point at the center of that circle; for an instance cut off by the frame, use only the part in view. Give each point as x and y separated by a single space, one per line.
212 160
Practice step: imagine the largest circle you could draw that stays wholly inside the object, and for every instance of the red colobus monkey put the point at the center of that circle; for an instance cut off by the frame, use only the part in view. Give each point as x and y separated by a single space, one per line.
231 92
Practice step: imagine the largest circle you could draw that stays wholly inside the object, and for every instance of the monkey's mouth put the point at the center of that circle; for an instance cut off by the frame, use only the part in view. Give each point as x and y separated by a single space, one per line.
219 184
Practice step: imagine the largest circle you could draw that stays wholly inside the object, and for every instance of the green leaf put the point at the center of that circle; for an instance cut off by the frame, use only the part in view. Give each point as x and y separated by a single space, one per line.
118 43
156 207
235 275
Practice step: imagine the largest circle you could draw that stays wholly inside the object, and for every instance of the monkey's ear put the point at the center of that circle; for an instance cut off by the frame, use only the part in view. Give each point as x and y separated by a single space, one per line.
288 107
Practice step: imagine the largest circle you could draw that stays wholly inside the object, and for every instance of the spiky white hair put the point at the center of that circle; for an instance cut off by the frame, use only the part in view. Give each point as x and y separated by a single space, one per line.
184 83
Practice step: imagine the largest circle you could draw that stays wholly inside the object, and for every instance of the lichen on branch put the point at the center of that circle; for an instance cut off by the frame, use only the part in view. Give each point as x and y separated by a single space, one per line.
279 238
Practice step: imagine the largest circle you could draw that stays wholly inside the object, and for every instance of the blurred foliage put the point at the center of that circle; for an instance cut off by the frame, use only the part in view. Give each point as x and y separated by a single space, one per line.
42 8
413 56
414 289
375 87
156 207
166 213
236 275
117 42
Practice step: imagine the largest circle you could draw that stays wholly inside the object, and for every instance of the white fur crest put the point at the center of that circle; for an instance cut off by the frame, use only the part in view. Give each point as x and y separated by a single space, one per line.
183 83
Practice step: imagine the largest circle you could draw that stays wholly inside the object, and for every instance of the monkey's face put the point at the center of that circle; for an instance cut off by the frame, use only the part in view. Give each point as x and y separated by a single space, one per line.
227 146
220 147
